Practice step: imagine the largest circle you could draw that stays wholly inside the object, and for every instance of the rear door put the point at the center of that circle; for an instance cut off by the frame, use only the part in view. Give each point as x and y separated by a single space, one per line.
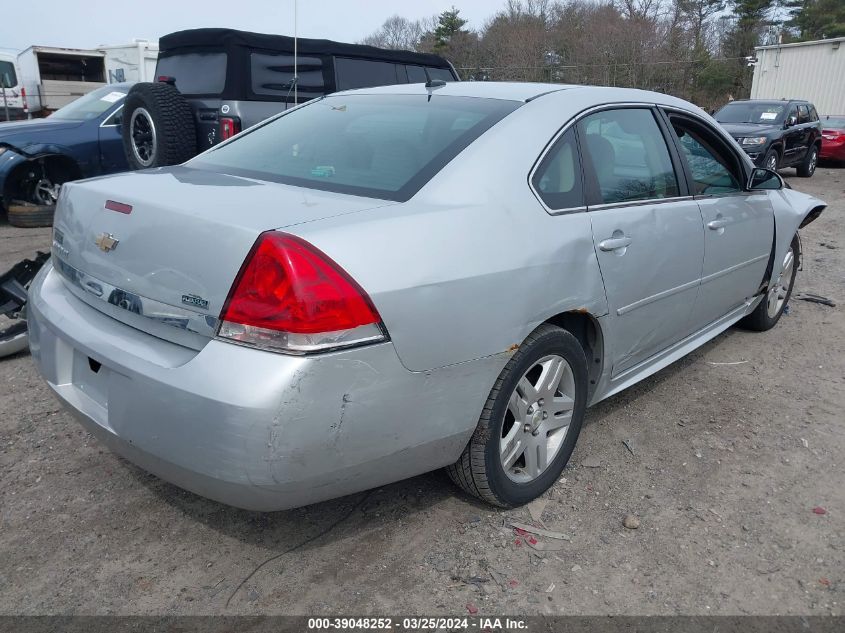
647 232
739 224
792 138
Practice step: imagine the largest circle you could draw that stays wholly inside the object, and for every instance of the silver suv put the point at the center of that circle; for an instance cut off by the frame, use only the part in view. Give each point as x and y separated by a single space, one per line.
213 83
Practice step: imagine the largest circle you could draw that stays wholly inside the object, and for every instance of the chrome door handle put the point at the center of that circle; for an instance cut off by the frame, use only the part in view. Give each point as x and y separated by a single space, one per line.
615 243
715 225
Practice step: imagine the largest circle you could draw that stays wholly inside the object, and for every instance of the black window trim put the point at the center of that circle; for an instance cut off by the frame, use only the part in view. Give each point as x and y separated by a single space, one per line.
683 186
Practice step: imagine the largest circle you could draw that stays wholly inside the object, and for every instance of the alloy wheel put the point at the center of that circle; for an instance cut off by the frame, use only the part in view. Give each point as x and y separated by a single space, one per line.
772 163
780 289
143 135
537 419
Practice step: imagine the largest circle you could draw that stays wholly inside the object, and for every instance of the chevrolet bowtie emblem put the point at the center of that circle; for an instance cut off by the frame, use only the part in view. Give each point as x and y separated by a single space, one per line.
106 242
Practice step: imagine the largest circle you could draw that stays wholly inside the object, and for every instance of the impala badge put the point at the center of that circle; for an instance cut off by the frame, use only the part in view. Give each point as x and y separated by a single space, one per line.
106 242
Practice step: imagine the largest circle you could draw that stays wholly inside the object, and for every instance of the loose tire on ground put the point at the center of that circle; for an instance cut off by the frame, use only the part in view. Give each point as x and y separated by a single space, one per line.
480 470
764 317
172 121
28 215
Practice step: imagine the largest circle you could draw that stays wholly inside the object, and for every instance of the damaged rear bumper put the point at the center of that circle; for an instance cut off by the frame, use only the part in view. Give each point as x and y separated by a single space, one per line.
249 428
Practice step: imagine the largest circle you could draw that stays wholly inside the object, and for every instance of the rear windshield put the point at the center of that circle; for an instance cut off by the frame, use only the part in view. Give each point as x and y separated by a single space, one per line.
743 112
380 146
195 73
834 122
8 78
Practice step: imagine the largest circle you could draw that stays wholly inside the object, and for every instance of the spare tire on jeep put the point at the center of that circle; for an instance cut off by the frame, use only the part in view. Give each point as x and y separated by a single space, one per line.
158 126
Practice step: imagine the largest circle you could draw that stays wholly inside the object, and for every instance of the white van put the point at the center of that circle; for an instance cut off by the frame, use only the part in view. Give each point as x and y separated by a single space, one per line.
12 93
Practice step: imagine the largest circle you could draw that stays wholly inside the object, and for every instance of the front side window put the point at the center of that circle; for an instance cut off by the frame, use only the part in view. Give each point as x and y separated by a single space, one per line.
195 73
8 78
558 178
272 75
381 146
711 165
803 114
440 73
628 155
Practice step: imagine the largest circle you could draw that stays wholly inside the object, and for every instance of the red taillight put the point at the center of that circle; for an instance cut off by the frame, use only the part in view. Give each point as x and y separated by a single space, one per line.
229 126
23 98
290 296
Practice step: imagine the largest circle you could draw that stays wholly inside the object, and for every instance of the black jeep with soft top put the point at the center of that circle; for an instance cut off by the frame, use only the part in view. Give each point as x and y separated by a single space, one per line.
213 83
775 134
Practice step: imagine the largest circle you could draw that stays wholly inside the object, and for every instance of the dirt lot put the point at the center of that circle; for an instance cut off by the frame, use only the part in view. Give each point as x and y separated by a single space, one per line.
731 449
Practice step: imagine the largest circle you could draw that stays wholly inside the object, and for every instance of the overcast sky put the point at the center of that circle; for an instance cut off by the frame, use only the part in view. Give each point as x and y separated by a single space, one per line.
89 23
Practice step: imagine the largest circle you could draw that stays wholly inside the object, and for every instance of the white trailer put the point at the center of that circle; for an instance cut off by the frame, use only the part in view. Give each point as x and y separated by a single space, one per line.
814 71
53 77
131 62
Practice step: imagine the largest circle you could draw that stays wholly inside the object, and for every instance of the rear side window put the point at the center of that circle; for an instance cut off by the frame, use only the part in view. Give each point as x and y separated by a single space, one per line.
814 116
628 155
366 73
369 145
272 75
195 73
8 78
558 178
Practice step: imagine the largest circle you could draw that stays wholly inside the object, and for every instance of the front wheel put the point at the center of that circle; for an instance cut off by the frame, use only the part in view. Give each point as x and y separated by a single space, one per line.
770 309
530 422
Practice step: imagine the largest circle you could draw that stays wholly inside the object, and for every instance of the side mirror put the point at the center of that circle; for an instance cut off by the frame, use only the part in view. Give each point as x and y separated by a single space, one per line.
763 179
791 121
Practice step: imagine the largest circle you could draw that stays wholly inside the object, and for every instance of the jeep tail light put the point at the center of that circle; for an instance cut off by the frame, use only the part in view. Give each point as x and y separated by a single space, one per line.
229 126
291 297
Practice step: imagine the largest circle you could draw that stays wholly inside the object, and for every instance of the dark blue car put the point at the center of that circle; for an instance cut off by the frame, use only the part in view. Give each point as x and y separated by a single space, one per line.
80 140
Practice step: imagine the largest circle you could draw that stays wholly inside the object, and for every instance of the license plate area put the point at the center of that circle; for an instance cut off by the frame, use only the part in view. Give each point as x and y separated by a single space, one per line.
91 378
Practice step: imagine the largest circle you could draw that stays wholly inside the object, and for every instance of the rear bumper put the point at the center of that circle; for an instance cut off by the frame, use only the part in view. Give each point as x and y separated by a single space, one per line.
833 152
248 428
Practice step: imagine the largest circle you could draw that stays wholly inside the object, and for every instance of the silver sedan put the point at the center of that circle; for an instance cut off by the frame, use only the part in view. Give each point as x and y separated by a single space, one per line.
387 281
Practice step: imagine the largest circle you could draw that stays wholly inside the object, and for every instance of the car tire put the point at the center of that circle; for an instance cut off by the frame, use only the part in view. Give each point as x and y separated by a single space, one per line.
772 158
768 312
481 470
158 126
808 166
29 216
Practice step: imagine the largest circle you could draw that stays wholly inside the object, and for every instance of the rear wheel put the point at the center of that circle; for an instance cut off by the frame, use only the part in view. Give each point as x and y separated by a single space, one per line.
808 166
768 313
158 126
530 422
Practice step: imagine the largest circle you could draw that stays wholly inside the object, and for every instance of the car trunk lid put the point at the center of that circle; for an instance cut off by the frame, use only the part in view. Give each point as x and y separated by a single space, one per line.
159 249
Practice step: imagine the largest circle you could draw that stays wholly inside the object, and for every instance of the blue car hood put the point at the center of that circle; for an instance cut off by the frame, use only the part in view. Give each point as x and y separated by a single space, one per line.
23 133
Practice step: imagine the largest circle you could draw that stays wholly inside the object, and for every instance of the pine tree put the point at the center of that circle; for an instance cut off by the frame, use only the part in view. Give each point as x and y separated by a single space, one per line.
449 23
816 19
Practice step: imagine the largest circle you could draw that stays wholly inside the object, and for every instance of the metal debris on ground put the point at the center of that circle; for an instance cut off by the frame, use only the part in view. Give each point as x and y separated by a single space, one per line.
535 509
627 444
807 296
539 531
738 362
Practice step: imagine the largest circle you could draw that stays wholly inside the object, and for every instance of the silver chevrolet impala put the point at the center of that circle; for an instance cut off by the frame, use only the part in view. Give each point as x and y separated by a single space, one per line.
387 281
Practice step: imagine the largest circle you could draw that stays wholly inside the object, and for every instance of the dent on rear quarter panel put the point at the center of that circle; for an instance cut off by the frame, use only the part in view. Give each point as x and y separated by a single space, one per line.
473 263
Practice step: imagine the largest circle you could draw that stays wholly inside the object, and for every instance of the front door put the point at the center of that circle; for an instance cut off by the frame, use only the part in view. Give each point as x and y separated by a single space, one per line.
648 237
112 157
738 224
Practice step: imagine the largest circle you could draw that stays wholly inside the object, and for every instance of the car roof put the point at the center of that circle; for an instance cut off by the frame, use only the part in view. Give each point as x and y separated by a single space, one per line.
526 91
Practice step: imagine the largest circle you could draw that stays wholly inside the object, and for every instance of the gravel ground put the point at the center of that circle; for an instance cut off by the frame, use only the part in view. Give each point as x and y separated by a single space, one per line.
731 450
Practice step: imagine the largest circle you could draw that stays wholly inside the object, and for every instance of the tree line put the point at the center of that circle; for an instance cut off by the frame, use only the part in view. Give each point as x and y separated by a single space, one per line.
700 50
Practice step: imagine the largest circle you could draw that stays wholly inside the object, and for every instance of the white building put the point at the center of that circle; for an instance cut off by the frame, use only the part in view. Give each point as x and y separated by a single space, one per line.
814 71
